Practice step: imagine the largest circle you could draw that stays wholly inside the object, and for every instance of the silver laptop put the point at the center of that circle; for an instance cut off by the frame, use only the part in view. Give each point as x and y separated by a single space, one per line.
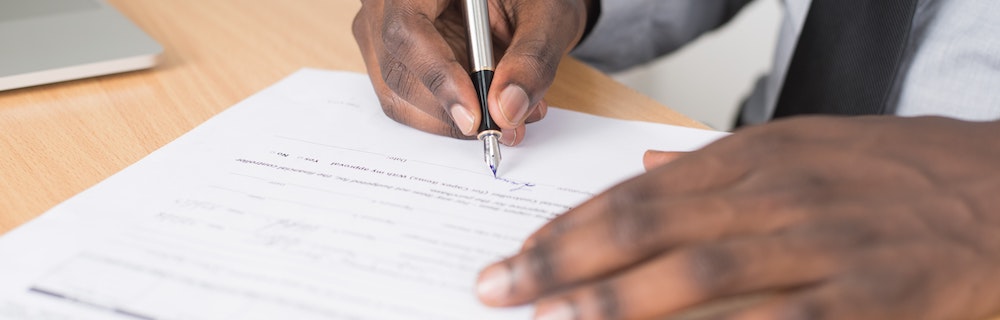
45 41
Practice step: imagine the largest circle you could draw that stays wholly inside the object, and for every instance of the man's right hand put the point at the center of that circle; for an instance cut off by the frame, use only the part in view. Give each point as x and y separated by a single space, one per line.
417 57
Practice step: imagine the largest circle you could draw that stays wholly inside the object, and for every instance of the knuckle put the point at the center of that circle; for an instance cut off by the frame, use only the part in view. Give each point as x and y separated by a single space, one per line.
395 32
634 220
396 75
804 309
800 200
634 231
393 113
767 139
714 269
400 28
435 77
539 55
810 181
540 265
608 302
358 26
392 110
841 234
899 288
558 227
773 139
362 20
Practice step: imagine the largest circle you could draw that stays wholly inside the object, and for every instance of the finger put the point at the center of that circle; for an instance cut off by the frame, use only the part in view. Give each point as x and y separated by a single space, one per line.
609 243
828 301
652 158
691 174
538 113
696 275
782 307
544 31
512 137
417 61
883 283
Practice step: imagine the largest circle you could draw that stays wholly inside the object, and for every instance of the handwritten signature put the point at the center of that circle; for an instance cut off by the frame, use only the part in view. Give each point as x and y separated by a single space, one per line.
518 185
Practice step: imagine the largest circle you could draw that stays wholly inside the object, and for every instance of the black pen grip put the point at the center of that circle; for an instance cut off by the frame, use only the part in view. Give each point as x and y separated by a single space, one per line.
482 80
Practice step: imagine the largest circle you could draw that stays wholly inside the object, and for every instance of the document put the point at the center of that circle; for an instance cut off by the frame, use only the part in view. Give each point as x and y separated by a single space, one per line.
305 202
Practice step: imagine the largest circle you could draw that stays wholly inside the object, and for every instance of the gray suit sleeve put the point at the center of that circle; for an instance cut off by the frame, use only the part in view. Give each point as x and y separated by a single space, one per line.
631 32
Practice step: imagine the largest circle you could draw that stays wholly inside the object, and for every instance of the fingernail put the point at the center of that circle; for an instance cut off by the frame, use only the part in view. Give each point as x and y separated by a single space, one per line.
557 311
494 284
513 104
463 118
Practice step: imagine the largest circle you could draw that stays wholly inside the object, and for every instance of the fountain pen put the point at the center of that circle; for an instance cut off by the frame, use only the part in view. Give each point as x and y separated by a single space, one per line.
481 63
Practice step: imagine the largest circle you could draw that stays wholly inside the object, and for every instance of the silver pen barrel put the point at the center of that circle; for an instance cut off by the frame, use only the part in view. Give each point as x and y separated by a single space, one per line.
481 63
477 16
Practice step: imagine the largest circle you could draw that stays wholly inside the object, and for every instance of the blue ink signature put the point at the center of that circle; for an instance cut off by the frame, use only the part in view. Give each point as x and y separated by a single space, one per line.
518 185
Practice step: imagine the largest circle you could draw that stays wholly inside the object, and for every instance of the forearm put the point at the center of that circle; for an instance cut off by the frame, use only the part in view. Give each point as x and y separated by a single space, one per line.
630 32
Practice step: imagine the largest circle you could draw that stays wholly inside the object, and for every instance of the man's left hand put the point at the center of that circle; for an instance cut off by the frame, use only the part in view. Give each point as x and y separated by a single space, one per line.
840 218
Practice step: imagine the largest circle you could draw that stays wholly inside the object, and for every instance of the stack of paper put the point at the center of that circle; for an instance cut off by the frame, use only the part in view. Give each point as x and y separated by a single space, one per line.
305 202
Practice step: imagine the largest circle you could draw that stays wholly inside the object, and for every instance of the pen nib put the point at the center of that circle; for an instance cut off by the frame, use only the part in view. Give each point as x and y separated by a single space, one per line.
491 150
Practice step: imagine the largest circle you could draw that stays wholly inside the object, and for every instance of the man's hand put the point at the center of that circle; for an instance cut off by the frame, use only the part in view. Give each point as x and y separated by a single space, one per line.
416 55
840 218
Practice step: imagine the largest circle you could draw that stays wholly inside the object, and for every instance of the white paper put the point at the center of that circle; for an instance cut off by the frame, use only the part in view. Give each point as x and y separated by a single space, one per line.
306 202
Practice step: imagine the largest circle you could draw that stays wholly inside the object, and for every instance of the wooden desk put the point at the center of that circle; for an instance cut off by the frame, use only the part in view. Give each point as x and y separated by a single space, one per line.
57 140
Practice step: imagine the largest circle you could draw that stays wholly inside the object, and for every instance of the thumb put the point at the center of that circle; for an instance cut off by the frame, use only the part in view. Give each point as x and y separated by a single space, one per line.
653 159
544 32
